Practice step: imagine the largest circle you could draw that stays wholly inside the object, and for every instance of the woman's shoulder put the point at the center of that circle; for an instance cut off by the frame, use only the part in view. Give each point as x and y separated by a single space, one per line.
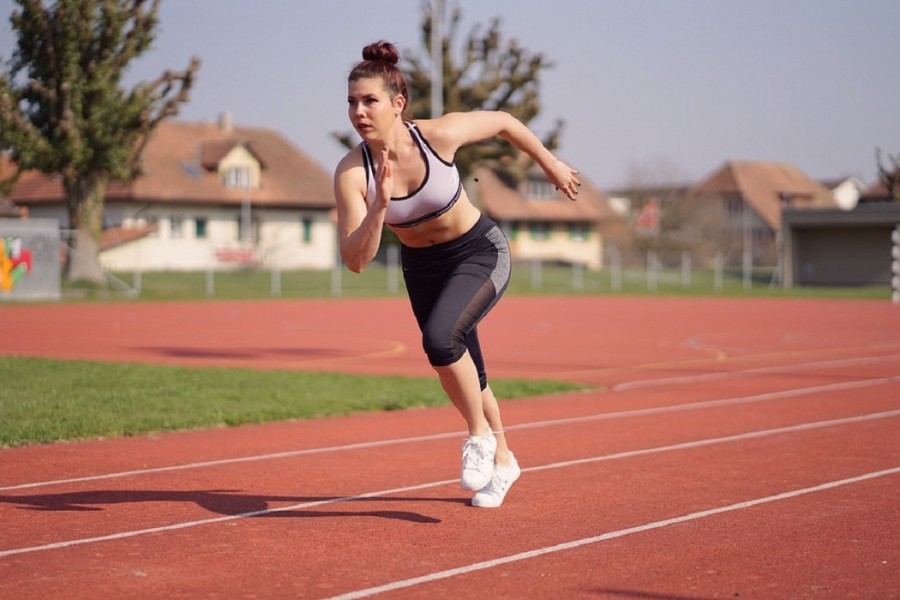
428 127
353 158
350 178
450 120
440 135
456 129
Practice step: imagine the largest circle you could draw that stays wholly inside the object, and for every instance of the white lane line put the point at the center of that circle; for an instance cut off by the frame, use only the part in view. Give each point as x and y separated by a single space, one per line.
489 564
659 410
640 412
823 364
231 461
401 490
721 440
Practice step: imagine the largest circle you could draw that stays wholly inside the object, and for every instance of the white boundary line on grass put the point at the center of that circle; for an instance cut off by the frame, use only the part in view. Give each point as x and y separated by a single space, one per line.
381 493
640 412
489 564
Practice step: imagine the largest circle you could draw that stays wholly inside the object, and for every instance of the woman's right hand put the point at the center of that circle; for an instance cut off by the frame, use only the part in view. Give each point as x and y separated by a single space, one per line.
384 180
565 178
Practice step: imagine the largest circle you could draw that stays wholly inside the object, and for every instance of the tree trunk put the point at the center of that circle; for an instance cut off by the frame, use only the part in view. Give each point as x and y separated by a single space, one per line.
85 199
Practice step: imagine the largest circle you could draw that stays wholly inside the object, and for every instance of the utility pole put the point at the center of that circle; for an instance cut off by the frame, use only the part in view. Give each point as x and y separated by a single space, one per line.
437 58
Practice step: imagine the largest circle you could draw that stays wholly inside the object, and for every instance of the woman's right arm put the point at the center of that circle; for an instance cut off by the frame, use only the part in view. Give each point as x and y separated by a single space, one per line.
359 225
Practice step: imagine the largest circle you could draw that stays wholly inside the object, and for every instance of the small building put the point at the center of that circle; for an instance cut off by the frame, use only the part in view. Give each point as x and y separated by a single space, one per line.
743 203
543 224
838 247
209 196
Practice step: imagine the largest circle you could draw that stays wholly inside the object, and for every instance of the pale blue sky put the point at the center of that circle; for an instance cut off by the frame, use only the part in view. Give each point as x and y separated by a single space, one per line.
674 87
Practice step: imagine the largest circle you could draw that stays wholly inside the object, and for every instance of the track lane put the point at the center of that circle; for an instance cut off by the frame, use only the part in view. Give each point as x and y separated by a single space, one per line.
628 489
532 486
642 460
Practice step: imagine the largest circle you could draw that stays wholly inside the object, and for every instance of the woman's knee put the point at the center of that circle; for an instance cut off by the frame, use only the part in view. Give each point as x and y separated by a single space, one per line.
442 348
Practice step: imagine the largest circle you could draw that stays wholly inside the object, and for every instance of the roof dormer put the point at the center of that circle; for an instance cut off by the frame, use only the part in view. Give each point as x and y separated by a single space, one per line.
236 163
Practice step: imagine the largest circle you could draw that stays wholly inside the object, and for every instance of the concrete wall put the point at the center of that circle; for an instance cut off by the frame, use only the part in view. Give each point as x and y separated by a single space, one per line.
29 259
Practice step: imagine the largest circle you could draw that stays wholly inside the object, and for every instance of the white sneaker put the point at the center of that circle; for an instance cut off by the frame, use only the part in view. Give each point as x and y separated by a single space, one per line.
477 461
492 495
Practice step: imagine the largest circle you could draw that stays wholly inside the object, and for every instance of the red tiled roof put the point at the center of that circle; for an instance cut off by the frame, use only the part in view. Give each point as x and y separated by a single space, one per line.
763 185
112 237
878 191
172 171
211 153
502 202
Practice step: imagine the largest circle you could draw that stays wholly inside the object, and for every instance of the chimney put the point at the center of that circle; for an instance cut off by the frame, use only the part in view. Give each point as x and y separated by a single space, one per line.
226 122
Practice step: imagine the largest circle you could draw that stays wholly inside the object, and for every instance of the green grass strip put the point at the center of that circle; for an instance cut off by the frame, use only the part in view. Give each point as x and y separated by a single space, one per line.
46 400
379 281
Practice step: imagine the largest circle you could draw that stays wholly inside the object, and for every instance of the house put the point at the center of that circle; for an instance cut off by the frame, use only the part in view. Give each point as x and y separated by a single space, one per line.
210 196
743 203
846 191
839 247
657 214
541 223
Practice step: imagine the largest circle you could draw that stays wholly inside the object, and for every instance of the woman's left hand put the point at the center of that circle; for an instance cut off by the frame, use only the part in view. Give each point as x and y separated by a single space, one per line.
565 178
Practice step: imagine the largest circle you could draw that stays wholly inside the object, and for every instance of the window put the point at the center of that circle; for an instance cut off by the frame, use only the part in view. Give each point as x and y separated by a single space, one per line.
153 221
200 228
540 230
175 223
578 231
307 230
237 178
541 189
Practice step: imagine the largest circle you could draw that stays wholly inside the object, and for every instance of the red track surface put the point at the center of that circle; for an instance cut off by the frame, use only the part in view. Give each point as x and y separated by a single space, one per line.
732 449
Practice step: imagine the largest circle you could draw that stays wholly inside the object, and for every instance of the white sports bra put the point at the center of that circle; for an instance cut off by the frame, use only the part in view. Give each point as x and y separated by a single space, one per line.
438 193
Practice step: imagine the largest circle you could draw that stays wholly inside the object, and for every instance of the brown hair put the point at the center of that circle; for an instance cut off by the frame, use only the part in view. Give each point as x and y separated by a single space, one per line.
380 62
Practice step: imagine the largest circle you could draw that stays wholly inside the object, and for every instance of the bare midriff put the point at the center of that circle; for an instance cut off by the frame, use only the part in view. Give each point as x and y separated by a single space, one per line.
447 227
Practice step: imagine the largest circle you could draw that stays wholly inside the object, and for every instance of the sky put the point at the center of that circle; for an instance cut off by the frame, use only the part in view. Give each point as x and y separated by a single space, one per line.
650 91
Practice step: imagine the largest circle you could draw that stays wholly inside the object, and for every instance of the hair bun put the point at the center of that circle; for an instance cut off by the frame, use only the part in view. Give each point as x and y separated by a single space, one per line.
382 51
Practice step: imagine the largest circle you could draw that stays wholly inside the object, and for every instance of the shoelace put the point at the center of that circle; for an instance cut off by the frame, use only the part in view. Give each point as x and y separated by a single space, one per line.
475 451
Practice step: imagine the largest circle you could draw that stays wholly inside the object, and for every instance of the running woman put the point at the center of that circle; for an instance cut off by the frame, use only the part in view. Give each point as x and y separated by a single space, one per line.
455 260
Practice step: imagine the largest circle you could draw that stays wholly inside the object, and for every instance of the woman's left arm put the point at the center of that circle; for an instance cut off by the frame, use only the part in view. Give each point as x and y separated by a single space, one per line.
460 129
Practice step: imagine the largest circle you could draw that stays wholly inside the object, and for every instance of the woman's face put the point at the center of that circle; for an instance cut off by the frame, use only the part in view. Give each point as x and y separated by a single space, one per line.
370 108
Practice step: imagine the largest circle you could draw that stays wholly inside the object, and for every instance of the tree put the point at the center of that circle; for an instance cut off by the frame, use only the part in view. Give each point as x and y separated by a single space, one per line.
62 110
889 175
492 74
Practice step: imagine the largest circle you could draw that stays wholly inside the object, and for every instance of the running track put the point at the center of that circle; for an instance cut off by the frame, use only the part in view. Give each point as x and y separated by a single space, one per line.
727 449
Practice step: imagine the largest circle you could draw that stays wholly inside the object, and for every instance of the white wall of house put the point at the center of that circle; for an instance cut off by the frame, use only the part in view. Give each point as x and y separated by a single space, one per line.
297 240
191 239
199 238
555 242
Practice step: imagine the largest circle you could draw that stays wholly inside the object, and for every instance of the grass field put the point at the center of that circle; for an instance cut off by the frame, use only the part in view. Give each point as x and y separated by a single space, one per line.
379 280
44 400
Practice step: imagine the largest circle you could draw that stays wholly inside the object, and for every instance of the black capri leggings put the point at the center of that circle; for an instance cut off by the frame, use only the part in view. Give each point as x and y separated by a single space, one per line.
452 286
